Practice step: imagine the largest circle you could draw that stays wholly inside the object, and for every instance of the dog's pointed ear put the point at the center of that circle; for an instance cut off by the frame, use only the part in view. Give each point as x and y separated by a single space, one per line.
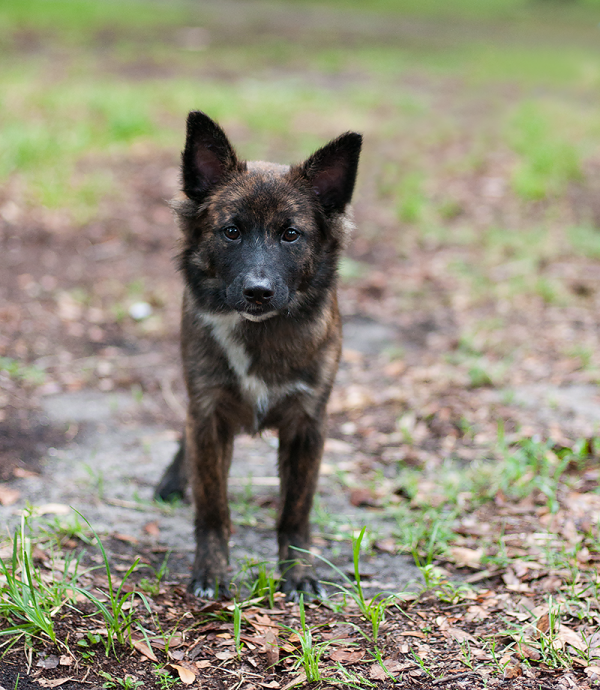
207 158
331 171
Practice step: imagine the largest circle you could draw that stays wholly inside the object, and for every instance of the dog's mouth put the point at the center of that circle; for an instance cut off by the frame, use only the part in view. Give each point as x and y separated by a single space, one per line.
258 313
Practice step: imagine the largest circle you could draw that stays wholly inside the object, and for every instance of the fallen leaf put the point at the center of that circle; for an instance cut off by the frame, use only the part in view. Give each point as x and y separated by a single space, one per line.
300 678
8 496
271 647
459 635
543 624
270 684
186 675
204 663
225 656
466 558
387 545
527 652
65 660
173 642
54 683
152 529
146 651
376 672
512 671
49 662
594 646
412 633
592 671
476 613
363 497
567 636
125 537
346 656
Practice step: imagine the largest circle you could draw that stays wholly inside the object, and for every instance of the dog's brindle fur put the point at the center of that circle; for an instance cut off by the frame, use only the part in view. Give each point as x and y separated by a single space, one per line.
261 331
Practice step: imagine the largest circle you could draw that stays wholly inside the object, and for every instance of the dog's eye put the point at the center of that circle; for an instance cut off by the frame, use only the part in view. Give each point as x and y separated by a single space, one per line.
290 235
232 233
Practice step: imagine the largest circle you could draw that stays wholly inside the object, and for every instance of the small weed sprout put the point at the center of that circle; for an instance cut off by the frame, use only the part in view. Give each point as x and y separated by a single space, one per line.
237 627
152 587
127 682
27 602
311 652
118 618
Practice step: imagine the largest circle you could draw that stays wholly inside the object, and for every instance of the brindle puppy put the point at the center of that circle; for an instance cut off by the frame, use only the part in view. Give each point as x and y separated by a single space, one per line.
261 331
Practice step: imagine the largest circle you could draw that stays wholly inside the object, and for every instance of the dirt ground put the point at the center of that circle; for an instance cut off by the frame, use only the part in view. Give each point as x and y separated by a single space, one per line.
442 375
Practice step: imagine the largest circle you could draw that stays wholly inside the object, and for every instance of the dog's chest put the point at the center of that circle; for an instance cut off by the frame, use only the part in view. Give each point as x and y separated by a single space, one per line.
257 393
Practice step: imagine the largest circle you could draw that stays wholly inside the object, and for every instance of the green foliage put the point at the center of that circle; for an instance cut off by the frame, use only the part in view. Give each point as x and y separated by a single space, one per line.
585 240
118 618
548 162
27 602
311 652
127 682
22 372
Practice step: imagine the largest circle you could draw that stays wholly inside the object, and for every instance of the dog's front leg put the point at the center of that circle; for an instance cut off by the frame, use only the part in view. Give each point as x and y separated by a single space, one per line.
209 446
300 450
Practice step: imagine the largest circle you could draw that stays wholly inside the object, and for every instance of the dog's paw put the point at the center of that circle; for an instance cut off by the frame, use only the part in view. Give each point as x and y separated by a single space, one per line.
309 587
208 588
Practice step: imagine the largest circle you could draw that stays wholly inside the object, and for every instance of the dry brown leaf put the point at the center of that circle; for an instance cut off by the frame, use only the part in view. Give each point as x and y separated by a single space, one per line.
412 633
476 613
54 682
527 652
204 663
271 647
125 537
592 671
459 635
467 558
567 636
173 642
65 660
152 529
387 545
145 650
512 671
270 684
376 672
346 656
543 624
8 496
300 678
186 675
364 497
225 656
594 646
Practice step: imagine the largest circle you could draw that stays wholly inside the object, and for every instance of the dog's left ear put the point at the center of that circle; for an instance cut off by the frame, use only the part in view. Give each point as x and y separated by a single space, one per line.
331 171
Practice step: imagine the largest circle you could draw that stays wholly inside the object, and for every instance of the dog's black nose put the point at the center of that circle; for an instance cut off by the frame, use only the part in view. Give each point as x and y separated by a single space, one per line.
259 293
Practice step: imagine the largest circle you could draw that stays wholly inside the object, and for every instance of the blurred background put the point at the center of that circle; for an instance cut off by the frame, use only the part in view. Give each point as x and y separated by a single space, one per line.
471 292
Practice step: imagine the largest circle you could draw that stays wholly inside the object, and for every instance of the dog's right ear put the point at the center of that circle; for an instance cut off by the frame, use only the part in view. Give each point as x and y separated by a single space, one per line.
208 156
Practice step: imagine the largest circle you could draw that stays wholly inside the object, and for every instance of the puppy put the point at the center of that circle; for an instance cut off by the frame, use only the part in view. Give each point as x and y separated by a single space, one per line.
261 334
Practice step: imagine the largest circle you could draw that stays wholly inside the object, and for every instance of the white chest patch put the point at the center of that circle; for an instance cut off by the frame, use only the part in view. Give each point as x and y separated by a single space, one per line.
257 393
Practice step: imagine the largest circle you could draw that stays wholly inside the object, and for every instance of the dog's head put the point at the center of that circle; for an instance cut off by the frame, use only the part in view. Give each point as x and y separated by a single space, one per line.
259 238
